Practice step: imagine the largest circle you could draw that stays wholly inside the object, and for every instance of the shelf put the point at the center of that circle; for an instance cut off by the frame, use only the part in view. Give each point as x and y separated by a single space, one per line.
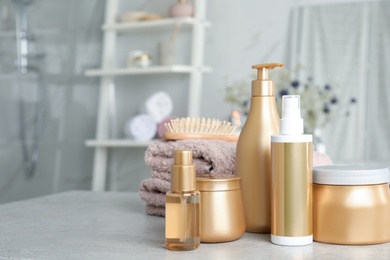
40 32
148 70
117 143
155 24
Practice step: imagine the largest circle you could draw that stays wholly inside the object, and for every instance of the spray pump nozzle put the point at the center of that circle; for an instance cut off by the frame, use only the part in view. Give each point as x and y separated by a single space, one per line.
291 122
262 86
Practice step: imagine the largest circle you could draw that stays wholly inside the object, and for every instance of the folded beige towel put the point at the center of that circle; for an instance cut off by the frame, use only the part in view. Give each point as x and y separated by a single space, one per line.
212 158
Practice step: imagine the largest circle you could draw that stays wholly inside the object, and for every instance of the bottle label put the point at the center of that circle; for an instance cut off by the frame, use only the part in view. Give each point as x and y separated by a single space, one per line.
173 220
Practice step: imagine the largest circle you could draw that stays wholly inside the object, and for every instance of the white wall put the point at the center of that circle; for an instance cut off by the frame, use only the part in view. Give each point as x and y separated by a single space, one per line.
244 33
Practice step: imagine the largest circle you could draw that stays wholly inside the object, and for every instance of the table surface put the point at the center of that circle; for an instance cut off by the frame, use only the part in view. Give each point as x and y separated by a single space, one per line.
113 225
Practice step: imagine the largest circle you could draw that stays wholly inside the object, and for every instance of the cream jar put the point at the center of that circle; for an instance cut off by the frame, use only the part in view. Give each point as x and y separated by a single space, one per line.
351 204
221 209
139 59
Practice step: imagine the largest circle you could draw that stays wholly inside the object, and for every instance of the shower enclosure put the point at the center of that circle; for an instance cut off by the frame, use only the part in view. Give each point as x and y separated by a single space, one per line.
47 106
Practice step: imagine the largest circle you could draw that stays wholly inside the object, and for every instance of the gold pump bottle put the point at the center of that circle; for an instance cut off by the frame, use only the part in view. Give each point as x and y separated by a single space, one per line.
182 211
253 154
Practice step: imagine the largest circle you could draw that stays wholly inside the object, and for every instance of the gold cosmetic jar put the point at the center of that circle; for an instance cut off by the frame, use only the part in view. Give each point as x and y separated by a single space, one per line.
351 204
221 209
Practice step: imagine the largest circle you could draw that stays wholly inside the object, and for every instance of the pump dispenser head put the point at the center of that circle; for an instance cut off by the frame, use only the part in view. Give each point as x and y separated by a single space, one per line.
183 172
262 86
291 122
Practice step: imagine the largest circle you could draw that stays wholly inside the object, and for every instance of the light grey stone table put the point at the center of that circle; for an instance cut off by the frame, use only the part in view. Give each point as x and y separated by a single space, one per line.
107 225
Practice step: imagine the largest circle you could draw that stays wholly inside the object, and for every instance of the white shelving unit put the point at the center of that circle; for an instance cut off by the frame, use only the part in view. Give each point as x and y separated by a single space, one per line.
109 71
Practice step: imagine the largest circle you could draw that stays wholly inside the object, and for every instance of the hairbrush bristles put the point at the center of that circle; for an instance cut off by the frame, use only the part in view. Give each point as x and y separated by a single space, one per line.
196 128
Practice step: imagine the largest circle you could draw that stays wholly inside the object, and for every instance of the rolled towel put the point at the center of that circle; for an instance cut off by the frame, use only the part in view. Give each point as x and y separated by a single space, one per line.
212 158
159 106
141 127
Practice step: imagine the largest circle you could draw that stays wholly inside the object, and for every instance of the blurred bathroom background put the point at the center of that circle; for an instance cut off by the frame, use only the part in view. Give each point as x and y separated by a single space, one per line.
48 107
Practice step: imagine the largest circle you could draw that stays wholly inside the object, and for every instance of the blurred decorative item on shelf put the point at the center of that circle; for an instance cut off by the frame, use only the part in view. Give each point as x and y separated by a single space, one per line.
182 8
141 127
137 16
167 49
139 59
167 52
159 106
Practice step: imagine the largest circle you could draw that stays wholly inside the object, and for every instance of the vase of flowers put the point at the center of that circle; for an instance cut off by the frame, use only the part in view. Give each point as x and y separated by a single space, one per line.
320 103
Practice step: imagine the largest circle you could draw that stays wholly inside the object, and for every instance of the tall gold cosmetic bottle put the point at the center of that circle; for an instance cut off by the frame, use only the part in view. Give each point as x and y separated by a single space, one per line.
292 180
253 154
182 210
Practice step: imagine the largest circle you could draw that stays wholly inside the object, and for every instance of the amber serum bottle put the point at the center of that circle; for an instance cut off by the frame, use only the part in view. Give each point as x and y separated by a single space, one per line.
182 209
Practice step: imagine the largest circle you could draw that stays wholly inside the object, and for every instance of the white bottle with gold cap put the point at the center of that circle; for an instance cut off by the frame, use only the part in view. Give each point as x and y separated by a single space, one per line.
291 154
182 211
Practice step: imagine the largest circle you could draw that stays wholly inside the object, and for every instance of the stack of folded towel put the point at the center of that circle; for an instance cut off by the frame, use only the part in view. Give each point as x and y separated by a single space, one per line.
212 158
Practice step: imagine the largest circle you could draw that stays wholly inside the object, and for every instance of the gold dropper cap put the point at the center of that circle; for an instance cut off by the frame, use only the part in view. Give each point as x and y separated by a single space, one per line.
183 172
262 86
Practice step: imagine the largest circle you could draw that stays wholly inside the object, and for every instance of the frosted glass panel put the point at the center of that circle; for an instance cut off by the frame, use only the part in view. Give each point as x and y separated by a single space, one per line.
54 42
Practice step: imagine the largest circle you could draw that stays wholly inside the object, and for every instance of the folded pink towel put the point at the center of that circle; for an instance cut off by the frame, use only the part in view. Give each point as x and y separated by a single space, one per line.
212 158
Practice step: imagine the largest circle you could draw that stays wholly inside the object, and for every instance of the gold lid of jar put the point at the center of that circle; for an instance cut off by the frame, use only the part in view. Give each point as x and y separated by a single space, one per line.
207 184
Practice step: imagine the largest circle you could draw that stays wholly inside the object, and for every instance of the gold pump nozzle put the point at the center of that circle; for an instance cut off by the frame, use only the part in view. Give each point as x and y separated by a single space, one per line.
183 172
183 157
262 86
